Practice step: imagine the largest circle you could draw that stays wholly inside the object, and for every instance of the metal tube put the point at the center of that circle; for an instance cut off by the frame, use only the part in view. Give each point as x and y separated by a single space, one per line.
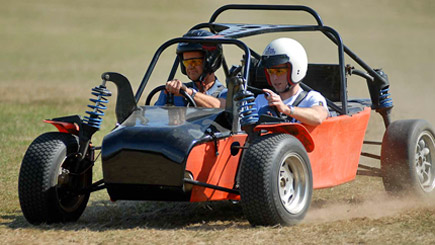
372 142
159 51
219 188
266 7
365 154
362 74
358 60
328 31
174 69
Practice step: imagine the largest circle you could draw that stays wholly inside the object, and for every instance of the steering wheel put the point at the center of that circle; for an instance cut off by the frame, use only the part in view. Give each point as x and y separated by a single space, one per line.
189 99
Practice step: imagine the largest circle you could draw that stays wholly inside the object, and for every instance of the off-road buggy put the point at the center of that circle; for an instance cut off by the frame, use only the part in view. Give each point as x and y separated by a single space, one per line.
193 154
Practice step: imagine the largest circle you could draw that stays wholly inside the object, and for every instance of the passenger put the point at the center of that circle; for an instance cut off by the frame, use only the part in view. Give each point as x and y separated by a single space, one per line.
198 62
285 62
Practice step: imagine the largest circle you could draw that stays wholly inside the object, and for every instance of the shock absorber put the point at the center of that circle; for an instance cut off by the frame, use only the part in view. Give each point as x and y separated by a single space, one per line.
385 101
379 92
246 105
94 119
92 123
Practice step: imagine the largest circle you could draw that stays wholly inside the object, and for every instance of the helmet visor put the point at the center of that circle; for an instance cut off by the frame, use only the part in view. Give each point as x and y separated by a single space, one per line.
269 61
277 71
193 62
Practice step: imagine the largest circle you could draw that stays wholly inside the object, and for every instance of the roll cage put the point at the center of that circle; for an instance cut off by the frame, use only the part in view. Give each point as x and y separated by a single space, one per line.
229 33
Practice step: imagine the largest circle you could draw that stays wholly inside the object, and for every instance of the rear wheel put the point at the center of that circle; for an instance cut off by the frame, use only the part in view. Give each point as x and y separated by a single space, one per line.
276 181
408 157
48 188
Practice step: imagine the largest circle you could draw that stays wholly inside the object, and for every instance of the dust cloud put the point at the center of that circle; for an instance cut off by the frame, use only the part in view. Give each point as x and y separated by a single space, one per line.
377 206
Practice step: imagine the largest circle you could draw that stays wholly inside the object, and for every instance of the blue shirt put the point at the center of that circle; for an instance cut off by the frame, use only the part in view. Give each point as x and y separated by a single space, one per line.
217 90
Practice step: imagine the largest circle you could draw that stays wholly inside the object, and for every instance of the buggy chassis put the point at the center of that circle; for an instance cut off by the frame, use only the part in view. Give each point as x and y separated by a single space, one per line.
198 154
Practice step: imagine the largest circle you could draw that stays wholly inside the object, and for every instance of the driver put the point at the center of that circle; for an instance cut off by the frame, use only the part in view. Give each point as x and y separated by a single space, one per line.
198 62
286 64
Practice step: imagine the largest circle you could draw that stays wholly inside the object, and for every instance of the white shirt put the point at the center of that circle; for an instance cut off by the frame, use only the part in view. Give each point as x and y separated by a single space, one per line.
313 98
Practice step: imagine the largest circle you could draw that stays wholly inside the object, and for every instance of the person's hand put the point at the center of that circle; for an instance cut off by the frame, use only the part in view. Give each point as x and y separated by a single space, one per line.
174 87
274 99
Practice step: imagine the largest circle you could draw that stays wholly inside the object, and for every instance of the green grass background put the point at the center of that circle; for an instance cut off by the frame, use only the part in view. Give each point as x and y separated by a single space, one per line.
52 53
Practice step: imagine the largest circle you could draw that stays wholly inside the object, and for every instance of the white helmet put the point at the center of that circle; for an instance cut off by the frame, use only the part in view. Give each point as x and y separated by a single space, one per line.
286 51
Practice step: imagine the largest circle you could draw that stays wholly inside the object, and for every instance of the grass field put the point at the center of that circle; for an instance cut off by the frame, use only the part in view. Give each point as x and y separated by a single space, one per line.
53 52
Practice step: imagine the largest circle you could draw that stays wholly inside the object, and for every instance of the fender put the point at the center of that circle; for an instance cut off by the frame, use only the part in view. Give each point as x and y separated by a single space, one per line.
297 130
68 124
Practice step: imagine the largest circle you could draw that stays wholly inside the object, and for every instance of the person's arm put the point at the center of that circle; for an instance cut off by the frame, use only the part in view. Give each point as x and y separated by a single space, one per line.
201 100
204 100
313 116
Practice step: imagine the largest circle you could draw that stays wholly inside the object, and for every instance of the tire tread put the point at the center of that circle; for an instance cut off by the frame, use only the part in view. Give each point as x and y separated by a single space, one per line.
34 178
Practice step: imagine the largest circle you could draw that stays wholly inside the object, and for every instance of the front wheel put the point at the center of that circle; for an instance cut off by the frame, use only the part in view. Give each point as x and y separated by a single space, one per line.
408 158
276 181
49 190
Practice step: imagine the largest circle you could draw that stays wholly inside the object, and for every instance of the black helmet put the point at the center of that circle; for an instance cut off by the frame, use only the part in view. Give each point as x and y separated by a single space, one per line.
212 53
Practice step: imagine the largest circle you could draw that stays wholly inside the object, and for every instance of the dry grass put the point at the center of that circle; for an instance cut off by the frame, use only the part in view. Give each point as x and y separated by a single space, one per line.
54 51
385 222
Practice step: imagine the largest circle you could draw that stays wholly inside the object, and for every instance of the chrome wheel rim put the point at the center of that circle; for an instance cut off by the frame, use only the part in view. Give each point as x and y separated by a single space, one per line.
424 157
293 183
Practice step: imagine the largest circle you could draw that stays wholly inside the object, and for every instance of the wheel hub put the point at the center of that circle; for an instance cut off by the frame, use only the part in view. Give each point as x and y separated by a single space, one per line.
424 162
293 184
63 178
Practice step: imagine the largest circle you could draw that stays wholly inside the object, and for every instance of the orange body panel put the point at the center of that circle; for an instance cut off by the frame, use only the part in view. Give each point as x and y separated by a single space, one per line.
65 127
338 143
219 170
334 149
296 129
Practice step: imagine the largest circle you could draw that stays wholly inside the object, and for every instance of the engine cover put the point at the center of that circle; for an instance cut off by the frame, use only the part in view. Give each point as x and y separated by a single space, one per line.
147 153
